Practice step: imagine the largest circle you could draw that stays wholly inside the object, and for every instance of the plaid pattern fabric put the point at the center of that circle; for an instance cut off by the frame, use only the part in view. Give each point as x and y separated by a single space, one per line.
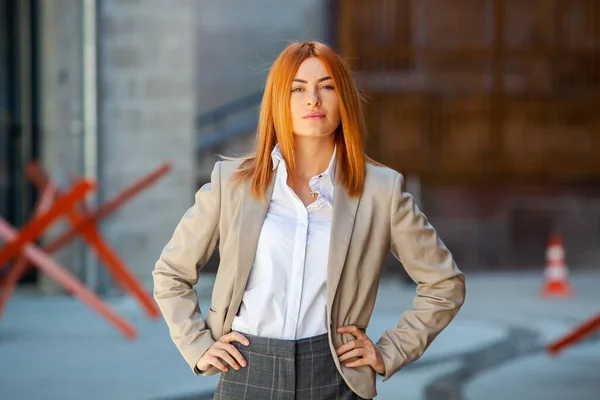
285 370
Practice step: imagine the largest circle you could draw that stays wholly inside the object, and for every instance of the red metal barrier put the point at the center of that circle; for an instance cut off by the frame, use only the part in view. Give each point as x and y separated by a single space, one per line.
84 224
37 225
104 210
63 277
580 332
7 286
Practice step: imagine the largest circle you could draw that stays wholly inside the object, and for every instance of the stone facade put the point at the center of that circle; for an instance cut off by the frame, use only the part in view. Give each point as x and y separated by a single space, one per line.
147 107
61 111
160 64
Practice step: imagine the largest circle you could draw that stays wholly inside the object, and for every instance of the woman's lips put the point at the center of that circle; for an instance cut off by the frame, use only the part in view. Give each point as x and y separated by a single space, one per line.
314 115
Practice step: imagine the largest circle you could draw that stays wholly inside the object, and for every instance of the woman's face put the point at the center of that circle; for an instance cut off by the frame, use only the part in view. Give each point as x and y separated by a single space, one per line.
313 100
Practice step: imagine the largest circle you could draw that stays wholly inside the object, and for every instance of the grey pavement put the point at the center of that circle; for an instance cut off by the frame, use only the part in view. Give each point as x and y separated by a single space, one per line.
573 375
55 348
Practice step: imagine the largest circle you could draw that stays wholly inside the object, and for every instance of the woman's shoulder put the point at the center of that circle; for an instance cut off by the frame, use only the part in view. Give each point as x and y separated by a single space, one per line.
380 175
228 167
230 188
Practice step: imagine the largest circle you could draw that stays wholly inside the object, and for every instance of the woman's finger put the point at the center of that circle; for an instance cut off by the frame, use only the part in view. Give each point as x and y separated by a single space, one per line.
235 336
348 346
225 356
359 363
358 352
216 362
352 329
231 349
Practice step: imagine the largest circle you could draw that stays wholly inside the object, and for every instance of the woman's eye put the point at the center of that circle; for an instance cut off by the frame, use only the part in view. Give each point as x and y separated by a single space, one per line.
296 89
327 87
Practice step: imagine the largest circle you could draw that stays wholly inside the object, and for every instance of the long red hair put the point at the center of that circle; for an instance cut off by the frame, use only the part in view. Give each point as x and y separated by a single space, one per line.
275 122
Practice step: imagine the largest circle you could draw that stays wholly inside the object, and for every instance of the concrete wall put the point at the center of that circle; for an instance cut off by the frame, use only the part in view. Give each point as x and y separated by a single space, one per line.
147 105
160 64
60 109
236 43
238 40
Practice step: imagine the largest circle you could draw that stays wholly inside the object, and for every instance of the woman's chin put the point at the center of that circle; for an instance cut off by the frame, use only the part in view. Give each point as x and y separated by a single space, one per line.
314 134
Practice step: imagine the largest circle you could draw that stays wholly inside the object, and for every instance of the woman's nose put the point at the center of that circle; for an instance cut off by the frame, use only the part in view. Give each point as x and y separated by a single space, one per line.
312 99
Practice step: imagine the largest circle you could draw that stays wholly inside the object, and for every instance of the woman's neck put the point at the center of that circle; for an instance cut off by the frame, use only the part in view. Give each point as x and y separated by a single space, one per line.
312 155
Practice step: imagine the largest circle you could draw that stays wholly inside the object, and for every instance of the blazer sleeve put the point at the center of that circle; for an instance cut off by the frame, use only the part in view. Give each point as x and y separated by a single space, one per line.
440 284
176 272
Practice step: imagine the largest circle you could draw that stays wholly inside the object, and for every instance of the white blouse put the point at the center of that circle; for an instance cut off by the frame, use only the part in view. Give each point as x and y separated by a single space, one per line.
285 297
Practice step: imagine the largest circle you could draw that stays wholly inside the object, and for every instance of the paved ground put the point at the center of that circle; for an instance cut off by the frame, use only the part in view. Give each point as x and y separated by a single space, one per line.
54 348
573 376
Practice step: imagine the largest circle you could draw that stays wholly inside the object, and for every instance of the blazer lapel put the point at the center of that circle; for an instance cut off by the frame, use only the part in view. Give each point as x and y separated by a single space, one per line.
252 216
342 225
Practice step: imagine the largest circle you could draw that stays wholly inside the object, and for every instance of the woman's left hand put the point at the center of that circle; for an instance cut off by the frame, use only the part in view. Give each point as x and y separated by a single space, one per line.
362 347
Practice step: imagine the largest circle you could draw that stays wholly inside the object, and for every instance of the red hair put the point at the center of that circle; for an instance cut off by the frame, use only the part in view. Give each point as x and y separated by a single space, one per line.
275 122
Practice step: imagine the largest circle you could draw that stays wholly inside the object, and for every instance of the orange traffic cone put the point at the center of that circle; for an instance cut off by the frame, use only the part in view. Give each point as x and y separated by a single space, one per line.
556 274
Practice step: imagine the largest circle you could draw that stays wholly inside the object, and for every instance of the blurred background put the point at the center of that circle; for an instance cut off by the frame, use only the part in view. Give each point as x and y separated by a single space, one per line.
490 108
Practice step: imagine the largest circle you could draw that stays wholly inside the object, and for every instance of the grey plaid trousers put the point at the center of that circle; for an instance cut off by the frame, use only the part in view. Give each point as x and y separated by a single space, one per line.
285 370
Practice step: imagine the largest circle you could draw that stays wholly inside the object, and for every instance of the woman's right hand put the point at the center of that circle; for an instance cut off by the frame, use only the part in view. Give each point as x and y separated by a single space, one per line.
223 350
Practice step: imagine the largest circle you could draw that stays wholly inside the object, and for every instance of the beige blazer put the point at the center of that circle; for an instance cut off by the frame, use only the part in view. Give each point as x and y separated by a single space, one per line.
363 231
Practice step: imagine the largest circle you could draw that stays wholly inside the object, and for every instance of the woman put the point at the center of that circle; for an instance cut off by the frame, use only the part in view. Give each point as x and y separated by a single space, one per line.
303 226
